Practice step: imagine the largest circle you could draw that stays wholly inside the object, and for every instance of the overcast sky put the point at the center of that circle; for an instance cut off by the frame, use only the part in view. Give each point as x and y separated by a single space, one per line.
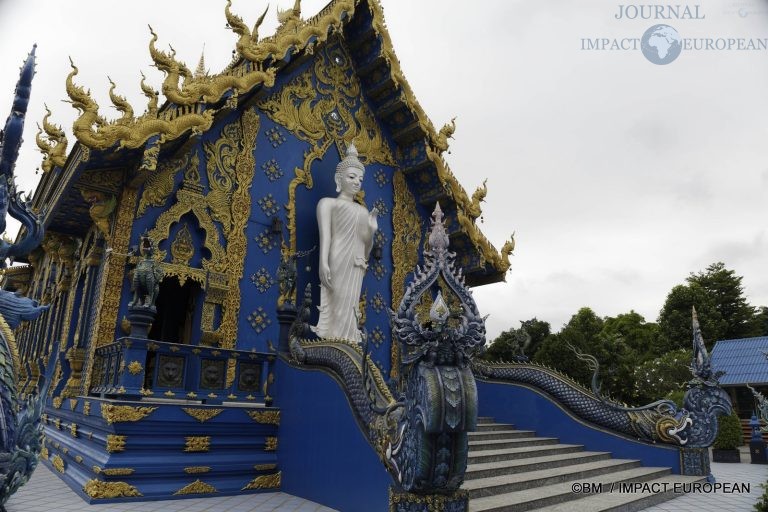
618 176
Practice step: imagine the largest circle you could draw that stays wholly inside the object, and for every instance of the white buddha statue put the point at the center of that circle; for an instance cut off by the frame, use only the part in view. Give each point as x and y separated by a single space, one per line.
346 238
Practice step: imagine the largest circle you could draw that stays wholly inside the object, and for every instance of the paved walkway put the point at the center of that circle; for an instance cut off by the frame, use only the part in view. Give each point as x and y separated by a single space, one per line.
753 474
47 493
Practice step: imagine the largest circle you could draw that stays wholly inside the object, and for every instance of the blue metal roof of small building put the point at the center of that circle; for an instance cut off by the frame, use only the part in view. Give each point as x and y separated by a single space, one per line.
742 360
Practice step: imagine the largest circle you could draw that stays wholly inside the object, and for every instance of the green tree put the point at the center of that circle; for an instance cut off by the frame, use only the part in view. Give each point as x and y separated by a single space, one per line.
583 332
761 322
525 340
724 288
663 376
675 318
639 336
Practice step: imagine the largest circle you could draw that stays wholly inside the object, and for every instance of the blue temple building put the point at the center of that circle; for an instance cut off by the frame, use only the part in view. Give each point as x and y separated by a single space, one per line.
180 261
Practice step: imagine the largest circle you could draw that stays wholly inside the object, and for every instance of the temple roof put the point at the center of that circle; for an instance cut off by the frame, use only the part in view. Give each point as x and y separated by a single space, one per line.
194 100
742 360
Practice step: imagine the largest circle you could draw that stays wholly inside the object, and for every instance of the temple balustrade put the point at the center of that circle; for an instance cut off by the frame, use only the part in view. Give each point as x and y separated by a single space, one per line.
137 368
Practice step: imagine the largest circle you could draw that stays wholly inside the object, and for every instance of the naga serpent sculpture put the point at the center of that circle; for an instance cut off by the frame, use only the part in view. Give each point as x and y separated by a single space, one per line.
419 433
20 428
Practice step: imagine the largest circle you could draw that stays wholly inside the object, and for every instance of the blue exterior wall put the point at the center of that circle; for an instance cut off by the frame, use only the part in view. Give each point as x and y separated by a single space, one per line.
322 453
529 409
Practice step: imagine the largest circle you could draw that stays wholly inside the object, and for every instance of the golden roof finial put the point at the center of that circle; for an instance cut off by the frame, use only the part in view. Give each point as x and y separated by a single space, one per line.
151 94
246 44
200 72
120 103
54 146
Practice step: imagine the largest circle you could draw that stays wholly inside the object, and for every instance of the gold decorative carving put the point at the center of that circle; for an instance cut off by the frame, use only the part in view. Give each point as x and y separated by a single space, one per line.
78 459
265 417
118 471
44 452
146 392
264 467
194 470
57 423
103 331
86 408
57 401
293 33
307 110
405 250
101 207
237 242
169 393
54 149
182 248
231 368
159 184
135 368
196 487
209 89
271 444
190 201
202 415
92 130
58 463
124 413
73 429
197 443
72 403
465 209
115 443
98 489
264 482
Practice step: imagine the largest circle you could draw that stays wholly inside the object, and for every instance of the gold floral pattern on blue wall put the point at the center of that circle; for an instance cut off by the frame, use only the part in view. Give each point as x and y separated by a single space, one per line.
381 206
378 269
269 205
381 178
262 279
376 336
272 170
275 136
378 303
266 241
259 320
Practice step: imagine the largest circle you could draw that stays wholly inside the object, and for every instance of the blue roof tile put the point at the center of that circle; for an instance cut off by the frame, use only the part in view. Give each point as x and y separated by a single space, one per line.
742 360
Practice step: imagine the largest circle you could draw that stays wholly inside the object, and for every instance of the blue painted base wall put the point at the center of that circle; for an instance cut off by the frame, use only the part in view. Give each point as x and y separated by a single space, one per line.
321 452
529 409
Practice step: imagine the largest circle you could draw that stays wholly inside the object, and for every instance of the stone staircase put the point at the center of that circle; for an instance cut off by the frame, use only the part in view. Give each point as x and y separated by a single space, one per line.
513 470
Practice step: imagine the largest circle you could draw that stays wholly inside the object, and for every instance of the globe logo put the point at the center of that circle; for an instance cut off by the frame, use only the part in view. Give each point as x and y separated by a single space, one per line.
661 44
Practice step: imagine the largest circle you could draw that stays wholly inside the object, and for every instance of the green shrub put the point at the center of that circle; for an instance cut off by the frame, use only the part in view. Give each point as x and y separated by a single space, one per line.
729 435
677 397
762 503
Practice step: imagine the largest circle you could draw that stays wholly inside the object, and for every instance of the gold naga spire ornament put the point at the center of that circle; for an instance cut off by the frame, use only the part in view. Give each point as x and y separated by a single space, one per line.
53 146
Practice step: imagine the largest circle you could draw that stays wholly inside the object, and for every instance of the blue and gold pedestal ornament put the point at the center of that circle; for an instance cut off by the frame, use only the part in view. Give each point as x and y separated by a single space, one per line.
402 501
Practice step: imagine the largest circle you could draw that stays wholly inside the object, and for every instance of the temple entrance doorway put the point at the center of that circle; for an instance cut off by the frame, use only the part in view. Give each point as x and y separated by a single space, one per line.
175 311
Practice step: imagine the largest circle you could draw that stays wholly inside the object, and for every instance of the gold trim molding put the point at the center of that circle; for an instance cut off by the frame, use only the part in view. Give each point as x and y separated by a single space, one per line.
124 413
196 487
98 489
202 415
265 417
264 482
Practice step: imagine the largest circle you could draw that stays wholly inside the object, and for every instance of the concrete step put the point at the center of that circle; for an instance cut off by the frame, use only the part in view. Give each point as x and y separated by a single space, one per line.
549 495
500 434
507 467
633 501
490 486
485 419
477 457
486 427
499 444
